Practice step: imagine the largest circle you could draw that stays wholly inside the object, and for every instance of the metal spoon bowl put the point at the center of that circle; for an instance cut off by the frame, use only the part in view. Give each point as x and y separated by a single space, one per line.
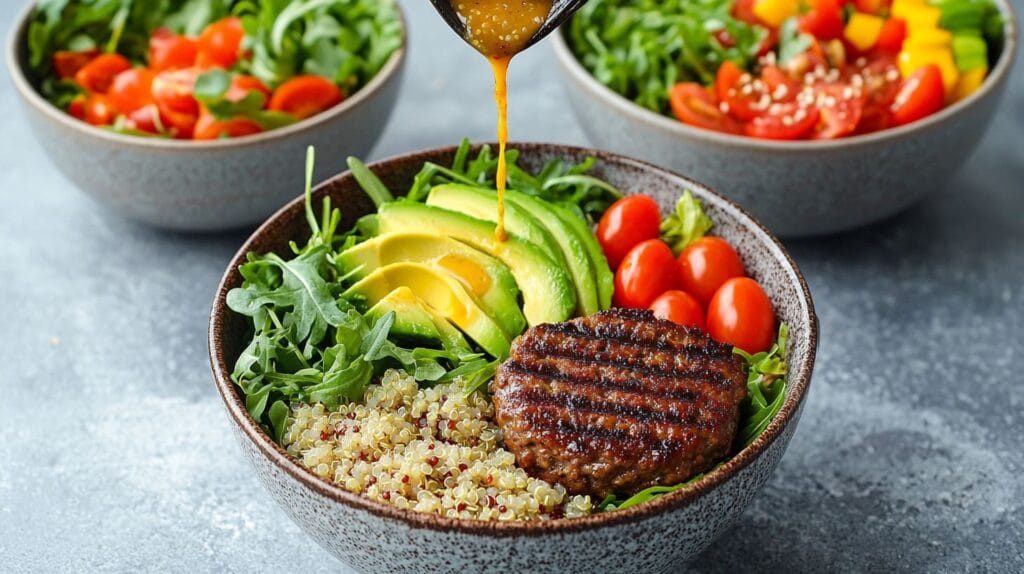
561 10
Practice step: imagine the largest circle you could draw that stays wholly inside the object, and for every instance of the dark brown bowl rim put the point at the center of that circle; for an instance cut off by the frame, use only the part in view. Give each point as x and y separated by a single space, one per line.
235 405
996 78
19 31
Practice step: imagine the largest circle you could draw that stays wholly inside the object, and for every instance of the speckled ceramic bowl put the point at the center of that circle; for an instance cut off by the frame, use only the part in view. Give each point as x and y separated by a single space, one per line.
798 188
202 185
653 537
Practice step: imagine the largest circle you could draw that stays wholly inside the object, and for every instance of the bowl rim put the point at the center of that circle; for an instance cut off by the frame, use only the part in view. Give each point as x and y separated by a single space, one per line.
798 385
996 78
18 34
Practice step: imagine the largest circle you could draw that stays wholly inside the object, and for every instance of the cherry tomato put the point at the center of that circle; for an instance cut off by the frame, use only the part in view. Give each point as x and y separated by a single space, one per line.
220 43
741 315
305 96
679 307
694 105
172 91
890 39
241 85
98 74
210 128
648 270
67 64
840 119
168 51
735 87
921 95
629 221
824 21
789 122
132 89
868 6
146 119
780 85
100 110
76 108
706 264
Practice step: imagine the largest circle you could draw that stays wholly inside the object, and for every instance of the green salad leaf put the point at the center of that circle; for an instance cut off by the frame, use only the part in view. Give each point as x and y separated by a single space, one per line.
687 224
792 42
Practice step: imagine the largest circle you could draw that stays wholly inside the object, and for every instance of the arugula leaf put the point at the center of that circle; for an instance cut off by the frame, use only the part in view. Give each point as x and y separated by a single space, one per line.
792 42
686 225
766 388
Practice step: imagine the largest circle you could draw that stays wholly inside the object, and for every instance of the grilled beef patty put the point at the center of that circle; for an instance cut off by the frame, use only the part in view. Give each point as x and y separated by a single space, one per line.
617 402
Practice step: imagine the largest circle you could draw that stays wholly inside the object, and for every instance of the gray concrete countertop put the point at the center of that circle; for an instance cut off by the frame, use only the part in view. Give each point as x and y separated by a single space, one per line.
115 453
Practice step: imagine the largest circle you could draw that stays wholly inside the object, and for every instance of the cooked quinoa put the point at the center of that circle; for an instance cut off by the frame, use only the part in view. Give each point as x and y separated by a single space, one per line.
433 450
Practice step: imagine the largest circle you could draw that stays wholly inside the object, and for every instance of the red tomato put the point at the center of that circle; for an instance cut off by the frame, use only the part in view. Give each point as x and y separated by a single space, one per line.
648 270
743 10
172 91
890 39
824 21
694 105
628 222
132 89
241 85
921 95
868 6
741 315
178 124
220 43
100 110
706 264
790 122
210 128
146 119
730 84
98 74
67 64
168 51
76 108
780 85
305 96
679 307
842 118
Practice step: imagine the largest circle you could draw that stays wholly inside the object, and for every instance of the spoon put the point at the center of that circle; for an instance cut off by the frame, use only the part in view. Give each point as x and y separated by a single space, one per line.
561 10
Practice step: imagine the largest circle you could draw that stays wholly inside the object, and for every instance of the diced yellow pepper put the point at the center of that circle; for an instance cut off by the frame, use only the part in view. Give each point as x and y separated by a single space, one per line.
911 61
916 15
863 29
928 38
969 83
775 12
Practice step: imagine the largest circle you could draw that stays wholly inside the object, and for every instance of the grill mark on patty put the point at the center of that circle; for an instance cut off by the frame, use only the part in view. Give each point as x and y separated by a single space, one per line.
691 348
632 384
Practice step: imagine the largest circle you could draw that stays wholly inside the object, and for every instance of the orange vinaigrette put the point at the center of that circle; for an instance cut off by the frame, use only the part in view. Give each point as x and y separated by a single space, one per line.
500 29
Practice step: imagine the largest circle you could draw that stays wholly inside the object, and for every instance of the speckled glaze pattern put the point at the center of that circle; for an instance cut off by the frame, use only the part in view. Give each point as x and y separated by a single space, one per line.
203 186
653 537
798 188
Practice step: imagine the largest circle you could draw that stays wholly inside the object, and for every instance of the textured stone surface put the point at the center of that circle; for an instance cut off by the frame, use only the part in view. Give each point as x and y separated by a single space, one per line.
115 454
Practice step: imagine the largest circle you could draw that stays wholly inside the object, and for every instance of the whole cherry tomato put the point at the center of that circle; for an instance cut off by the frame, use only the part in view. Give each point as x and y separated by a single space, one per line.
132 89
99 73
169 51
626 223
305 96
706 264
741 315
679 307
648 270
220 43
100 110
76 108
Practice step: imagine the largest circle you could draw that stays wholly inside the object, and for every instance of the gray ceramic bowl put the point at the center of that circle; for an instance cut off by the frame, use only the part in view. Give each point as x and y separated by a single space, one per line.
373 537
798 188
195 185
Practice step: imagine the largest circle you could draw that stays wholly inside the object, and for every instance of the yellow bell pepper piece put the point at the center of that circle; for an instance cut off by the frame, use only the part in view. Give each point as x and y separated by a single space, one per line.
863 29
928 38
969 83
916 15
775 12
910 61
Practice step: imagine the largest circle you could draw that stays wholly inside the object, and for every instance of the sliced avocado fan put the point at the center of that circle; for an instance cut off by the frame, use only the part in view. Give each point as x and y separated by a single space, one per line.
416 321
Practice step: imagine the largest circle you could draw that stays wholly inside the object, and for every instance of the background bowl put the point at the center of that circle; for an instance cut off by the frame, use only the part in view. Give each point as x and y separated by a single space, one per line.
371 536
805 187
195 185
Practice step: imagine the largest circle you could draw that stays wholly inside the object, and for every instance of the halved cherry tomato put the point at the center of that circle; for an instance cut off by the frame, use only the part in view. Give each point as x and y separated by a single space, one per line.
210 128
741 315
76 108
694 105
890 39
734 86
241 85
842 117
132 89
67 64
178 124
172 90
780 85
921 95
100 110
146 119
98 74
648 270
680 308
220 43
788 122
169 51
305 96
628 222
824 21
706 264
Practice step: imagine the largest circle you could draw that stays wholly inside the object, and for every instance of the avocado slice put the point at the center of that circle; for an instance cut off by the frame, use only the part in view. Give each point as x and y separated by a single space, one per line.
599 263
568 238
483 204
417 322
439 291
548 294
486 279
